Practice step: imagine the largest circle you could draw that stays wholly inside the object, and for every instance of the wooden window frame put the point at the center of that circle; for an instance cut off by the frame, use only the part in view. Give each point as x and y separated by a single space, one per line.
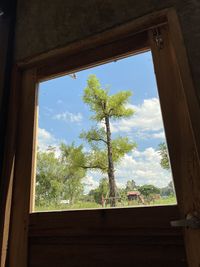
131 38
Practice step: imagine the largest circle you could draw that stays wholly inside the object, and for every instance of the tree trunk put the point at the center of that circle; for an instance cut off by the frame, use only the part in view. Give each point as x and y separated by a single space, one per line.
111 175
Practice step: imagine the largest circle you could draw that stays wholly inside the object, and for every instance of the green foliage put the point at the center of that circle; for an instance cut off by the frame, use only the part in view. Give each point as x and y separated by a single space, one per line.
101 190
49 179
123 195
94 135
162 149
121 146
72 157
102 104
98 158
148 189
59 178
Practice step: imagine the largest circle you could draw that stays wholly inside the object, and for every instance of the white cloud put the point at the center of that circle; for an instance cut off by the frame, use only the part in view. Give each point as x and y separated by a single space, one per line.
120 185
68 117
160 135
147 120
148 135
143 167
90 183
47 140
44 134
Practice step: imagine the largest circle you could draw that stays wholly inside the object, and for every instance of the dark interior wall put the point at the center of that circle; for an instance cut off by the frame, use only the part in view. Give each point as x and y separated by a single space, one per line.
7 20
7 31
45 25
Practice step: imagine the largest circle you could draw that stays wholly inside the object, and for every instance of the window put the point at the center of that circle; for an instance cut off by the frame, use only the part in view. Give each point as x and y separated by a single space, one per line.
161 33
73 170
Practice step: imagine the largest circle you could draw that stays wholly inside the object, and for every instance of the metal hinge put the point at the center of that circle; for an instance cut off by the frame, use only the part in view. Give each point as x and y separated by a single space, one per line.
158 38
192 221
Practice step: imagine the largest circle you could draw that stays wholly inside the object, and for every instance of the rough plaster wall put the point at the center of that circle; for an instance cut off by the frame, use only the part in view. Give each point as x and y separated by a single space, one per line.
47 24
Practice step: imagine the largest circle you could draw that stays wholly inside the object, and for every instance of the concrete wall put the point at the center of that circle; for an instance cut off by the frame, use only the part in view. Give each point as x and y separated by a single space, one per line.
46 24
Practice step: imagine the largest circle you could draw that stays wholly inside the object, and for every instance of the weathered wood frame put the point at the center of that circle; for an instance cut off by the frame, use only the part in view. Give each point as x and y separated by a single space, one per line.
127 39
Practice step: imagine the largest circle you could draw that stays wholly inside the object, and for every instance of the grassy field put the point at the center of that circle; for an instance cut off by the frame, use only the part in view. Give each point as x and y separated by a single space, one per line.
79 205
94 205
166 201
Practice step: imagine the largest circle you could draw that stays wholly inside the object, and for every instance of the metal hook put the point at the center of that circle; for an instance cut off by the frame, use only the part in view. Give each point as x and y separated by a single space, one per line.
158 38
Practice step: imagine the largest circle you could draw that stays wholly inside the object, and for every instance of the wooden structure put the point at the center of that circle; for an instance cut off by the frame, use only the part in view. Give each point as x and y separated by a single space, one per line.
133 195
118 237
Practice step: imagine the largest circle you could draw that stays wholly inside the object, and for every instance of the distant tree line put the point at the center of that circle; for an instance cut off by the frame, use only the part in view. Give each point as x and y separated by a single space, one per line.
62 178
59 178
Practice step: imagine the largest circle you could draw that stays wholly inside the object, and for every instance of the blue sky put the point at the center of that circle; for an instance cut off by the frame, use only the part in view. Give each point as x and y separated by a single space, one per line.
63 115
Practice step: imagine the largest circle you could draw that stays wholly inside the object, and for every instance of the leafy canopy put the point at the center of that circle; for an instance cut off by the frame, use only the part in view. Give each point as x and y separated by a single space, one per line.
104 105
148 189
60 177
71 158
49 177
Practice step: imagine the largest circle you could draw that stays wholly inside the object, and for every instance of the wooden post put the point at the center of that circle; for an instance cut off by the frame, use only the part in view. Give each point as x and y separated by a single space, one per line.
178 118
24 171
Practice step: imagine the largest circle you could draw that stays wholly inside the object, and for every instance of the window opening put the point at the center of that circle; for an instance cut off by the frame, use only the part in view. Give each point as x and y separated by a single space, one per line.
101 140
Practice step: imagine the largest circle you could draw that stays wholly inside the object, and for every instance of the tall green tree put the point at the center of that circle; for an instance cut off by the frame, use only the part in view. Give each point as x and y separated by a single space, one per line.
106 150
71 158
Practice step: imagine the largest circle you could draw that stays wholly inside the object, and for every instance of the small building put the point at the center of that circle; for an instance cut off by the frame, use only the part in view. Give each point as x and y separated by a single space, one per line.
133 195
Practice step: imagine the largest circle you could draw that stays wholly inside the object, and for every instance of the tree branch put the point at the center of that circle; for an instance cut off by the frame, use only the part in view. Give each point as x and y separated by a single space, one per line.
93 167
99 139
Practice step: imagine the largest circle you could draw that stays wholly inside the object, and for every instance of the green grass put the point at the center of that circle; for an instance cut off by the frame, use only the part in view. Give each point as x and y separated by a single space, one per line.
166 201
78 205
93 205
